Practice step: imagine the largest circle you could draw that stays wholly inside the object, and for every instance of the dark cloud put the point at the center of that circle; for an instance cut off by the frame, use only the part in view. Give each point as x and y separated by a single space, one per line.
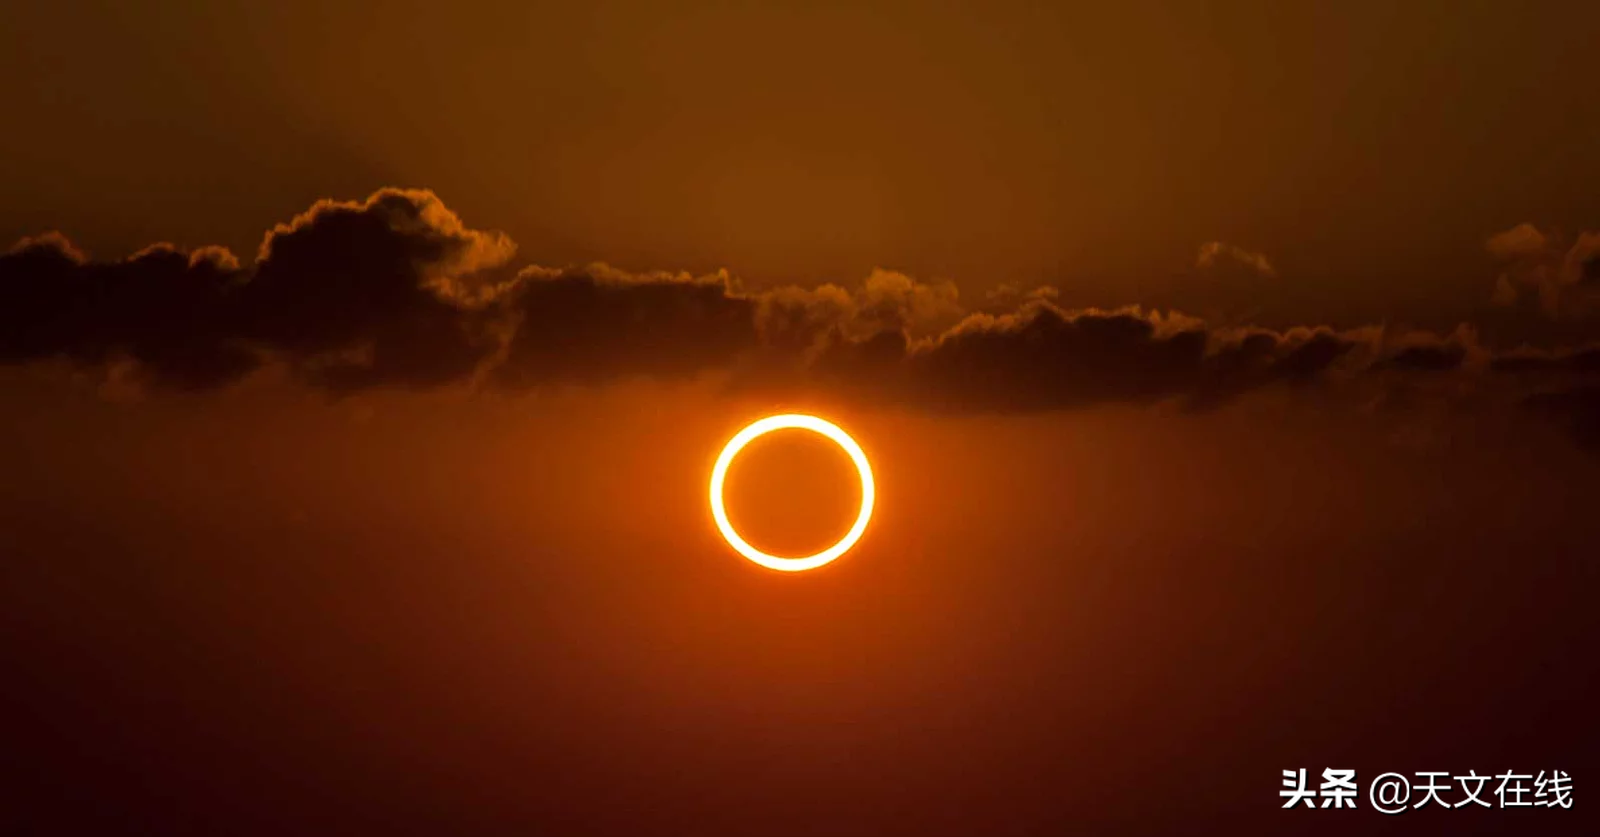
1441 358
1583 360
597 324
1256 358
1308 354
395 291
374 293
1043 358
351 294
166 311
1427 355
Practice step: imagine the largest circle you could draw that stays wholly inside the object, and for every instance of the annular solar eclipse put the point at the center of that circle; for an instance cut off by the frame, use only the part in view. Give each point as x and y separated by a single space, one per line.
753 431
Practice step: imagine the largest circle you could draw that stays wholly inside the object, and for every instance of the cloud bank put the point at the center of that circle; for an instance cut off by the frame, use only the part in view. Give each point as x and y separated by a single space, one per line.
395 291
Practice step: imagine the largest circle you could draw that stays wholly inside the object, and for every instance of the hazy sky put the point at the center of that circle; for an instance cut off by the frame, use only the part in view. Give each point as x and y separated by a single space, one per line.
374 499
1368 149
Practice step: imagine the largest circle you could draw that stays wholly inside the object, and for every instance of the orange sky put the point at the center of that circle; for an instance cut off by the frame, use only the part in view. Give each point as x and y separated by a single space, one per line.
493 614
1368 149
362 367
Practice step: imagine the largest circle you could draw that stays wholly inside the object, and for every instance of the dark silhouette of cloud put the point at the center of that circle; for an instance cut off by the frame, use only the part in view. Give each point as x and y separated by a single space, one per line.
373 293
1430 353
1043 357
596 325
1578 360
165 310
350 294
396 291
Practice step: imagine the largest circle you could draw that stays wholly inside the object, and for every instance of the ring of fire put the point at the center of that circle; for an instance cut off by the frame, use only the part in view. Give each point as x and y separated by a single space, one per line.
719 475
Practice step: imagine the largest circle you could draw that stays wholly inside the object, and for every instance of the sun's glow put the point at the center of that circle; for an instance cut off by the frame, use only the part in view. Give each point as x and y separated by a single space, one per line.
719 475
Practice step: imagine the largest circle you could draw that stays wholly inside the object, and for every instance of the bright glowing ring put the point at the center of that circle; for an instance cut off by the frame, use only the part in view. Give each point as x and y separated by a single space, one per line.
719 475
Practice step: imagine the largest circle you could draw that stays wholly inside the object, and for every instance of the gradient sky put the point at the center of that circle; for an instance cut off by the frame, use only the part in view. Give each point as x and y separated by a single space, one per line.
1369 149
1230 373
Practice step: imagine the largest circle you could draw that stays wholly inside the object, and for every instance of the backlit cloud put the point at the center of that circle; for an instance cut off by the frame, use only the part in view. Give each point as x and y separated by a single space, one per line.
1560 276
396 291
1216 254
